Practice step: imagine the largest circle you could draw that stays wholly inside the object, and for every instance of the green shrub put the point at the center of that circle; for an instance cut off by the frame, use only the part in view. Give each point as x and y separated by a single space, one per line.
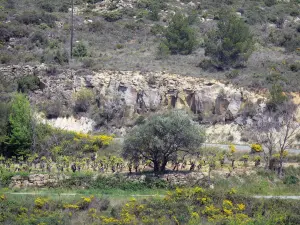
5 178
80 50
84 98
20 134
39 39
16 30
291 180
52 109
270 3
61 57
277 97
47 6
295 67
6 58
207 64
64 7
33 17
157 29
180 38
287 38
231 44
163 51
153 7
232 74
28 83
112 16
88 62
96 26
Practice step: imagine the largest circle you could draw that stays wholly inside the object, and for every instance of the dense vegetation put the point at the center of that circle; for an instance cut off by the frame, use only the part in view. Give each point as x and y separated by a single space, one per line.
130 38
251 43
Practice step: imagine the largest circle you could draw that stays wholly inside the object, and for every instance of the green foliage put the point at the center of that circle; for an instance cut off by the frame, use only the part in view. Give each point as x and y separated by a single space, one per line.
180 37
295 67
37 18
270 3
20 126
277 97
231 44
8 31
291 180
153 7
232 74
5 178
4 114
288 38
28 83
163 51
80 50
84 98
112 16
161 138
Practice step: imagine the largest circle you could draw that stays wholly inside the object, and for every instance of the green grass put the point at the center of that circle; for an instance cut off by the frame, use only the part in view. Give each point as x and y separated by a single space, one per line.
77 193
257 185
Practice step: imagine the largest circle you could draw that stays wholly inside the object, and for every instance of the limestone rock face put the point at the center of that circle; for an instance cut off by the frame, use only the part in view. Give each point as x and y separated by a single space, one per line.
128 94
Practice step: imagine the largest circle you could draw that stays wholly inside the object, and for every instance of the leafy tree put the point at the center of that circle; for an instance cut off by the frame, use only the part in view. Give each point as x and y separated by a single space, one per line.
162 138
231 43
180 37
20 129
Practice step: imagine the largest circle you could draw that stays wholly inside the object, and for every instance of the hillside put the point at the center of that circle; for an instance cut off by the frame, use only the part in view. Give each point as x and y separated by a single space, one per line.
125 35
169 112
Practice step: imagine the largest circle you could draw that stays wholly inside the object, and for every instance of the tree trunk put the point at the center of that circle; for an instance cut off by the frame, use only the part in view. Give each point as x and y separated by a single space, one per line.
280 169
156 166
163 165
232 163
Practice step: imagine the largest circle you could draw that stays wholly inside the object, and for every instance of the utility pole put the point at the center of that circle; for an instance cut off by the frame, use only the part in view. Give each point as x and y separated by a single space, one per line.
72 29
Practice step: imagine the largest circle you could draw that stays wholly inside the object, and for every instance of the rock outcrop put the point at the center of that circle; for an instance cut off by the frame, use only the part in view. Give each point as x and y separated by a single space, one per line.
132 93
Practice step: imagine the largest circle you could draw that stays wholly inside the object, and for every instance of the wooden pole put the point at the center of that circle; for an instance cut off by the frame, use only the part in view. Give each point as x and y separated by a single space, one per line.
72 30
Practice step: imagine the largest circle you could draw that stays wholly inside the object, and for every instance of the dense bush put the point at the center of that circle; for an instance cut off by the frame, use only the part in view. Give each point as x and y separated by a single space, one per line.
116 181
277 97
16 30
153 7
180 38
33 17
20 129
231 44
39 38
112 16
80 50
84 98
28 83
288 38
52 109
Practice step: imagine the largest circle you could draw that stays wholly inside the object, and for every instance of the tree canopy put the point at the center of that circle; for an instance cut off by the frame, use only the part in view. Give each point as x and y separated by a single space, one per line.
20 132
231 43
162 137
180 37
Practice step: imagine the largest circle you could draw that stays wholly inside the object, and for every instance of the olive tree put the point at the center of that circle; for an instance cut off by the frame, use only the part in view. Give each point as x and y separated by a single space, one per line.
162 137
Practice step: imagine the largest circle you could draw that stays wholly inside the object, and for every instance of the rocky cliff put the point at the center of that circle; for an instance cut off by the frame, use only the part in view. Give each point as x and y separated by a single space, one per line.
126 95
